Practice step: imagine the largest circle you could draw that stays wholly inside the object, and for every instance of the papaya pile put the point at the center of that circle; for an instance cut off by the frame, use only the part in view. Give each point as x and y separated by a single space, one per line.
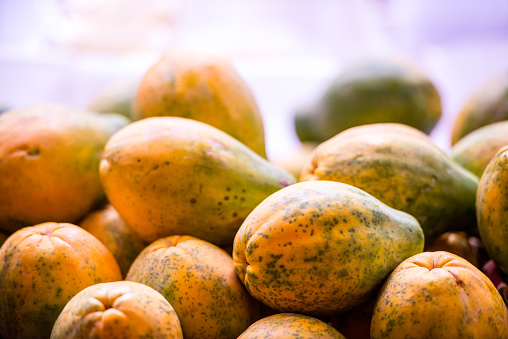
155 213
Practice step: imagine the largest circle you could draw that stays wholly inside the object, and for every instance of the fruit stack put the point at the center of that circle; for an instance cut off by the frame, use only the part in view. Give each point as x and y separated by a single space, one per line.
156 213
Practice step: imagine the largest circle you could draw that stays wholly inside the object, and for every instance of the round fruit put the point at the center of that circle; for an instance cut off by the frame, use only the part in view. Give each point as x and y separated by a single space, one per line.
288 326
491 209
49 161
173 176
488 104
372 91
475 150
204 88
107 226
199 281
321 247
438 295
41 268
120 309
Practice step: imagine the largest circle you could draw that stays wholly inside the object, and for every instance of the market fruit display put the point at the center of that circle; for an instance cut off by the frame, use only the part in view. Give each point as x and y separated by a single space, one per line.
321 247
116 98
41 268
198 279
49 155
122 241
203 87
491 207
438 295
475 150
177 176
290 326
485 105
403 168
120 309
372 91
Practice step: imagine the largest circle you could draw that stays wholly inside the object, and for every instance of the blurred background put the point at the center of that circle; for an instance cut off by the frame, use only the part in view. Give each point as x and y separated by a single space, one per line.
67 51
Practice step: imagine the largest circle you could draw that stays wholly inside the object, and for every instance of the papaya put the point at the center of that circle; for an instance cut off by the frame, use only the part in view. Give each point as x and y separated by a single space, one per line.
41 268
476 149
49 163
289 326
119 309
203 87
119 238
456 243
321 247
173 176
438 295
376 90
116 98
491 202
403 168
485 105
198 279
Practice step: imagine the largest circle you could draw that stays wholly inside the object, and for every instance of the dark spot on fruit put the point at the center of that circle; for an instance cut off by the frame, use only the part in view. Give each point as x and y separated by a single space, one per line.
193 201
139 160
167 162
235 215
228 189
226 198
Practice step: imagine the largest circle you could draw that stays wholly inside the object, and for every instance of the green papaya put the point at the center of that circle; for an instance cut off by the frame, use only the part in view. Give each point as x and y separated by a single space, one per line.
402 167
475 150
372 91
486 105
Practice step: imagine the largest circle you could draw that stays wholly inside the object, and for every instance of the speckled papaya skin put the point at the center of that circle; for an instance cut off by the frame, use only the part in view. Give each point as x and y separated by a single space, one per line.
49 160
41 268
403 168
172 176
491 209
289 326
475 150
123 242
205 88
198 279
438 295
486 105
120 309
321 247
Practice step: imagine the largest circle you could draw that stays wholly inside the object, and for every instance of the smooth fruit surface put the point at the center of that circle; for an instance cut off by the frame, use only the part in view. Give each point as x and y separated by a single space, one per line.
199 281
321 247
205 88
439 295
403 168
49 160
107 226
289 326
41 268
372 91
174 176
120 309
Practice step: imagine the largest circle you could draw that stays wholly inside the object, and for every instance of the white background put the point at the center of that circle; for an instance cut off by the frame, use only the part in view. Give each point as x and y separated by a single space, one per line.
67 51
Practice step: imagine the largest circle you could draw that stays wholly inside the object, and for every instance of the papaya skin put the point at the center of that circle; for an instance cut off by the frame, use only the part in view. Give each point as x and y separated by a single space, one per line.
486 105
475 150
438 295
49 160
116 98
120 309
198 279
288 326
41 268
372 91
205 88
123 242
403 168
321 247
491 202
171 176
